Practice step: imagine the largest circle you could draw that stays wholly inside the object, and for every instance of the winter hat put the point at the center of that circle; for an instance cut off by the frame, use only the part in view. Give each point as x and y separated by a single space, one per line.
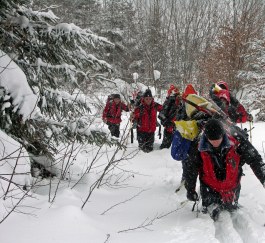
172 90
148 93
116 96
213 129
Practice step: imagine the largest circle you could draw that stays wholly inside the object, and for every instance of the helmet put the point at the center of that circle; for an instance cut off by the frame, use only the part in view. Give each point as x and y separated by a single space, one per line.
223 85
172 90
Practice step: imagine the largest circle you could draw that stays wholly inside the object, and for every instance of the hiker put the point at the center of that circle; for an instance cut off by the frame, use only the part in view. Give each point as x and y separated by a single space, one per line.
137 98
218 158
220 94
112 113
168 115
188 125
145 116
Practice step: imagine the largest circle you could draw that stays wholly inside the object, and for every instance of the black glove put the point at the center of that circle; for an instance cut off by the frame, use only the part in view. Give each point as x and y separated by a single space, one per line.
201 123
192 196
168 123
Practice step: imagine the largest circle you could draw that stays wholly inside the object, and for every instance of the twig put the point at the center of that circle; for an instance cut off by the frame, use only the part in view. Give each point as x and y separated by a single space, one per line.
108 236
150 222
13 209
14 170
129 199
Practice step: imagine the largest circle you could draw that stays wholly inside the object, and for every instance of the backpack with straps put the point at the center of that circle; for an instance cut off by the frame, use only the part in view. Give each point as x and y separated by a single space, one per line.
141 108
186 132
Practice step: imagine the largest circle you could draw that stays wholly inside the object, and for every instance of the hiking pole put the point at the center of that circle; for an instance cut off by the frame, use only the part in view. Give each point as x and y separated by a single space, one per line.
133 122
159 131
132 135
196 204
250 133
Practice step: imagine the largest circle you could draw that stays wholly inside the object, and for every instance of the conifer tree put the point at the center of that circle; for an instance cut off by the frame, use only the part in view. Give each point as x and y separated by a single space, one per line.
58 59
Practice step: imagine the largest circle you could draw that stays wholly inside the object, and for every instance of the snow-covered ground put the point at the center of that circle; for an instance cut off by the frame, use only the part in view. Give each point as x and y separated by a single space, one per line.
142 207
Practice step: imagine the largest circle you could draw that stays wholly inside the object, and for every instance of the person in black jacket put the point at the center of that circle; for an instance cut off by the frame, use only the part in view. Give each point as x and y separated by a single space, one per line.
168 115
217 157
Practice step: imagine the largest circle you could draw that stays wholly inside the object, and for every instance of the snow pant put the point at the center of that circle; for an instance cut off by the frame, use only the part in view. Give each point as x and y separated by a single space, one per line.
114 129
146 141
167 139
209 196
192 149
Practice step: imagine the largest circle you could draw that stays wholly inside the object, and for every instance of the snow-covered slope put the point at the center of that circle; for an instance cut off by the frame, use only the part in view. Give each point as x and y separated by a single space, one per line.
141 207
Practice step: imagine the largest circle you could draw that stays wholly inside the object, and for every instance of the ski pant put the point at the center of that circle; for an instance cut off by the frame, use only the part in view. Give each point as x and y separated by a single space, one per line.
192 148
114 129
209 196
146 140
167 139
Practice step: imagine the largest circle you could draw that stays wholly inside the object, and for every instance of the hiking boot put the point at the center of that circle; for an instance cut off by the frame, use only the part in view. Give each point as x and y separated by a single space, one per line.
214 210
204 210
215 213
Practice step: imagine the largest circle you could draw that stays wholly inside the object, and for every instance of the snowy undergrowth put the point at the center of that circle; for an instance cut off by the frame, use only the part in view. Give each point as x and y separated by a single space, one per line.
140 207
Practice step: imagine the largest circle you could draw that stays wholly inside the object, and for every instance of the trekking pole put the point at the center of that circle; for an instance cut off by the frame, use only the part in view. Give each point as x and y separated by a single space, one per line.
250 133
196 204
132 135
131 120
159 131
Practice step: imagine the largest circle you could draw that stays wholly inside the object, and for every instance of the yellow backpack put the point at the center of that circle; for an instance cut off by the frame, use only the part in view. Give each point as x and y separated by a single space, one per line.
187 129
196 99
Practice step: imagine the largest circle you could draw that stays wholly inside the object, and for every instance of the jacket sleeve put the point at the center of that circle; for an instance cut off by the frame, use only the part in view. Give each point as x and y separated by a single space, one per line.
158 107
105 111
252 157
136 113
237 111
163 113
191 167
243 115
124 107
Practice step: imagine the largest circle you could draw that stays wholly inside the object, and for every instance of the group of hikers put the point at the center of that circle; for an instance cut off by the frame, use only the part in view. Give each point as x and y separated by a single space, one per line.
202 134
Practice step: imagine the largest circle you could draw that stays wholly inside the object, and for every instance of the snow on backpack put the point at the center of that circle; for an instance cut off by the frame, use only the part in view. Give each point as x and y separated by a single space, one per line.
186 132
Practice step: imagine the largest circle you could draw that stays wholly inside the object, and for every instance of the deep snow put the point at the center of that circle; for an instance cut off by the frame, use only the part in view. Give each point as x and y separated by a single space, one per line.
141 208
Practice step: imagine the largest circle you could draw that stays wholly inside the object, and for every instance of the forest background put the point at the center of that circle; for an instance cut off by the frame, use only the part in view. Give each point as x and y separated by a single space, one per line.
67 56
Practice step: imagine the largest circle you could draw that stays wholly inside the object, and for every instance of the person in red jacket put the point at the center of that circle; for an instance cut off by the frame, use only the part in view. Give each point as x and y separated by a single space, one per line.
112 114
220 94
145 116
218 157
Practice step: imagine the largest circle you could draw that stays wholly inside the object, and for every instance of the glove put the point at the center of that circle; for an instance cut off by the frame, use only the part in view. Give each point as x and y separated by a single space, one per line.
192 196
250 118
167 123
201 123
132 116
